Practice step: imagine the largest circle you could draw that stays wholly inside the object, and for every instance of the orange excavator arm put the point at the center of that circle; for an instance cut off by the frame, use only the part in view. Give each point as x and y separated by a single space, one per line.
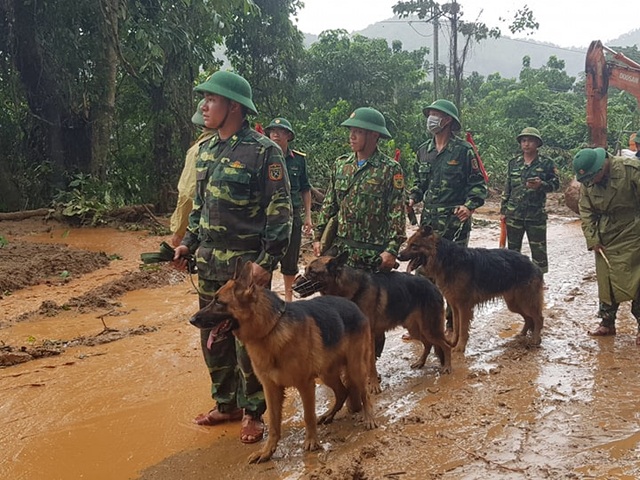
620 72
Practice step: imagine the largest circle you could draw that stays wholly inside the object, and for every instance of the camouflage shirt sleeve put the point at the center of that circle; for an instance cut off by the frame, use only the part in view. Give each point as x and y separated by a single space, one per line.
550 182
330 205
476 184
277 204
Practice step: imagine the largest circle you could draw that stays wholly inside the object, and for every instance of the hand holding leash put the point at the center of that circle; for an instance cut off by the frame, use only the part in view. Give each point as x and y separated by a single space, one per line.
462 212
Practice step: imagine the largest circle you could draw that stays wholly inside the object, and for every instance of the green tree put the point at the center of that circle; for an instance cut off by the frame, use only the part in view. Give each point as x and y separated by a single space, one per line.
267 49
459 29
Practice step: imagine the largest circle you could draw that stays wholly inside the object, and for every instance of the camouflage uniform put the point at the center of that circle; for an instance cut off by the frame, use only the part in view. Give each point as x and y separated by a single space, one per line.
241 210
445 180
369 202
297 170
524 208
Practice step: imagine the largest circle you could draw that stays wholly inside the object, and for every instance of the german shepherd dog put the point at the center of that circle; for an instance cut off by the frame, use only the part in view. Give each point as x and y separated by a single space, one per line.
471 276
290 344
388 300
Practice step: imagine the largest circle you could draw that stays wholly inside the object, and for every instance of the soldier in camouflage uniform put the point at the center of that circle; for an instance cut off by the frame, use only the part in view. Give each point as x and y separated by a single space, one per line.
366 196
447 179
242 210
366 193
281 132
530 177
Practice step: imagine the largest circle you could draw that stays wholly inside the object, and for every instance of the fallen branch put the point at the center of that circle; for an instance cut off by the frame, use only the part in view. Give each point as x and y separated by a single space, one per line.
40 212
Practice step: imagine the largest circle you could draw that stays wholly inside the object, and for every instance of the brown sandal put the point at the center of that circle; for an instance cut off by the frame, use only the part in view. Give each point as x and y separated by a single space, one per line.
252 429
216 417
603 331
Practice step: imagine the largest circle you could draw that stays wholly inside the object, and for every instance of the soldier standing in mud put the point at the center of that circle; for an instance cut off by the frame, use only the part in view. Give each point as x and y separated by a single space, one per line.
365 195
241 211
366 199
281 132
610 214
187 181
530 177
448 179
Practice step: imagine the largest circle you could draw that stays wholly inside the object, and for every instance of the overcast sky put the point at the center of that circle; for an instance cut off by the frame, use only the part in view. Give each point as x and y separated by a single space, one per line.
564 22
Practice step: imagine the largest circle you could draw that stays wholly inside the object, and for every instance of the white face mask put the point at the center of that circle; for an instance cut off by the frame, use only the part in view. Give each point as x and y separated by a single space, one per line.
434 124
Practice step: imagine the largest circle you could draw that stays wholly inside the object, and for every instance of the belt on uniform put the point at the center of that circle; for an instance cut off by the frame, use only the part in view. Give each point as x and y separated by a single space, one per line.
238 244
360 245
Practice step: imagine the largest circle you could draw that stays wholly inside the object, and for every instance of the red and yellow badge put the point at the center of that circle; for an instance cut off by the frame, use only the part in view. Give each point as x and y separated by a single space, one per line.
275 172
398 181
454 162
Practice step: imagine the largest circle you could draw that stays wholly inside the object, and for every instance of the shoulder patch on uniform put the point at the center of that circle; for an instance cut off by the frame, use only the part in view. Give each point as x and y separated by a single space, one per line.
398 181
275 172
474 164
299 152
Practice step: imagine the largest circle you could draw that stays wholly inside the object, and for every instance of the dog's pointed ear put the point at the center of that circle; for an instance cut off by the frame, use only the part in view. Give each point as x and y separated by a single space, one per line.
342 259
426 230
238 268
245 277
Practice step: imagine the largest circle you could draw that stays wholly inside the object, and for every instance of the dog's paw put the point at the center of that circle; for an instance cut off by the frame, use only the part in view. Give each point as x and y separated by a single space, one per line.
261 456
374 388
311 444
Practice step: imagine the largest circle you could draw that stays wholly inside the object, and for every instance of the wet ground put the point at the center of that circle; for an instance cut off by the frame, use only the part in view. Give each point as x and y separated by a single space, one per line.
115 395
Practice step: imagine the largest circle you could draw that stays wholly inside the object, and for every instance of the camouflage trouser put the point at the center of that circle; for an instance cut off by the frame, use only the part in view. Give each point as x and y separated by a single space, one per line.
367 259
448 226
289 263
233 383
536 235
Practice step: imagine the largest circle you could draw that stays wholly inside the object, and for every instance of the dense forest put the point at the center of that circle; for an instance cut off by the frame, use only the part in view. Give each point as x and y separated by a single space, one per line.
97 95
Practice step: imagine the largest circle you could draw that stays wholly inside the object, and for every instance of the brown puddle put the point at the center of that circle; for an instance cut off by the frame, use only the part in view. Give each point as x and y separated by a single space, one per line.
124 409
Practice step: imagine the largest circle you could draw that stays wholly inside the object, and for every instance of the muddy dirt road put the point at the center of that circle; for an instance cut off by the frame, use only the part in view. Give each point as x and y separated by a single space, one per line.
106 375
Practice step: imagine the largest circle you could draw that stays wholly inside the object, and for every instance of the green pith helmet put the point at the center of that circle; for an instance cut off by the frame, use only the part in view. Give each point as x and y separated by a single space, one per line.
368 118
588 162
197 119
280 122
229 85
530 132
447 107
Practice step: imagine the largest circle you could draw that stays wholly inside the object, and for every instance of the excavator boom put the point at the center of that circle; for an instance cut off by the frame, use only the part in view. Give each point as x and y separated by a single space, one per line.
601 73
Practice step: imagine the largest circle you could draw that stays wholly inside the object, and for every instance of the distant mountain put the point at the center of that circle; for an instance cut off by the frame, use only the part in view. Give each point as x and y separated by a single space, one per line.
503 55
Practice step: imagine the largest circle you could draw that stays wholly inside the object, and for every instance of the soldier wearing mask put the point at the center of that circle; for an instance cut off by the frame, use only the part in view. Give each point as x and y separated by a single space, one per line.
447 178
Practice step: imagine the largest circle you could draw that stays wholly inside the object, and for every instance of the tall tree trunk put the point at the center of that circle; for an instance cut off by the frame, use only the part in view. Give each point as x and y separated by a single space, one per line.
102 108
